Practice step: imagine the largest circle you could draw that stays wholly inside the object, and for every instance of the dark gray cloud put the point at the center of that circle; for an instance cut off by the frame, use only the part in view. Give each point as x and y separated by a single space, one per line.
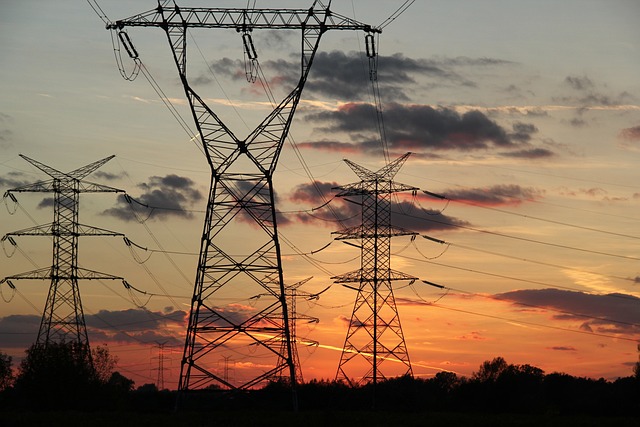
497 195
532 153
131 326
630 134
345 76
136 326
107 176
562 348
5 132
577 122
585 93
13 180
422 128
162 197
46 203
405 214
608 313
18 330
522 131
579 83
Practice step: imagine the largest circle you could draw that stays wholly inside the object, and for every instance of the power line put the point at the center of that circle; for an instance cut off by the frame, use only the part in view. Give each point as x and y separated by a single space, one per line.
503 276
572 313
548 264
525 322
566 224
524 239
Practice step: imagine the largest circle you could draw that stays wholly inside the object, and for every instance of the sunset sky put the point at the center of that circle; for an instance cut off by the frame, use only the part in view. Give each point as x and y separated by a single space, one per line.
524 114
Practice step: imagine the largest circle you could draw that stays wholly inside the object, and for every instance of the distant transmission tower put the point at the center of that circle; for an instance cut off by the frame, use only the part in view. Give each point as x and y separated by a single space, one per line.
160 368
240 254
374 334
63 317
293 293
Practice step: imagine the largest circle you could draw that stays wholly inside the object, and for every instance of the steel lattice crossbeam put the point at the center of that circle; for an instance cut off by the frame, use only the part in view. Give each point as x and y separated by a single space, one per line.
240 256
63 317
374 334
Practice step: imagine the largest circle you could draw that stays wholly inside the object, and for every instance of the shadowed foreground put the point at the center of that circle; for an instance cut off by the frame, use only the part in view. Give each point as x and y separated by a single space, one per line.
61 388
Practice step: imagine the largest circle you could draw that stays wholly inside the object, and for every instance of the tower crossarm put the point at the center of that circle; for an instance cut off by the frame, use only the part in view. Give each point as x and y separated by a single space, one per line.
75 174
51 230
47 274
242 19
58 184
363 188
359 232
41 273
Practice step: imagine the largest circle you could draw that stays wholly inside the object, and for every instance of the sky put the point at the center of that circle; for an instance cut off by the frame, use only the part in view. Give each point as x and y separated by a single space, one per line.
525 115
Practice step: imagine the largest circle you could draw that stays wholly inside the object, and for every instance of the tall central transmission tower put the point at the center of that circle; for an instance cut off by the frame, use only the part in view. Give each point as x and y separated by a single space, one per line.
374 334
240 254
63 316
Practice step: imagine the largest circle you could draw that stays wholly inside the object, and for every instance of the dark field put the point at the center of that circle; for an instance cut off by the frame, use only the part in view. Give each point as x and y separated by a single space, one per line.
306 419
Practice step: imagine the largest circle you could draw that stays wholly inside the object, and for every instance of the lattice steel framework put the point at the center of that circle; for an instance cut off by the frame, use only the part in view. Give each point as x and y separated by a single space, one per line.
240 250
374 335
63 316
292 294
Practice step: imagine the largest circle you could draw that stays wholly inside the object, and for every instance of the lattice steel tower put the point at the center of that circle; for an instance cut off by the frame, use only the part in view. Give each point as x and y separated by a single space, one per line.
240 251
63 317
374 334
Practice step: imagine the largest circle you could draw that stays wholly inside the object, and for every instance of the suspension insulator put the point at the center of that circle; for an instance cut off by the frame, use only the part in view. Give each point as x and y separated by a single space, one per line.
369 42
249 48
128 46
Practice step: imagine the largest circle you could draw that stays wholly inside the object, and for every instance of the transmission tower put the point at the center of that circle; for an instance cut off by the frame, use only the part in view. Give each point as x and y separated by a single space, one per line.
160 368
63 317
240 253
293 293
374 335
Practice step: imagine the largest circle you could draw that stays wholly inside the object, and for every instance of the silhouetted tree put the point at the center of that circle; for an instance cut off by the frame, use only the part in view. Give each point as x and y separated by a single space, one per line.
64 376
6 371
490 370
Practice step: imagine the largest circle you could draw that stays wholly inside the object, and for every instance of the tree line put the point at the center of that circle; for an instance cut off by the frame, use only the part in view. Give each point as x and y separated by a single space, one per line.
68 376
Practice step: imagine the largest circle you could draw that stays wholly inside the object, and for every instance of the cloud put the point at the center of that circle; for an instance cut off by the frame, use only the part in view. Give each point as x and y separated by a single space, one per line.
162 197
405 214
585 93
345 76
19 330
562 348
630 134
5 132
533 153
418 128
497 195
107 176
579 83
131 326
630 138
46 203
13 180
610 313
